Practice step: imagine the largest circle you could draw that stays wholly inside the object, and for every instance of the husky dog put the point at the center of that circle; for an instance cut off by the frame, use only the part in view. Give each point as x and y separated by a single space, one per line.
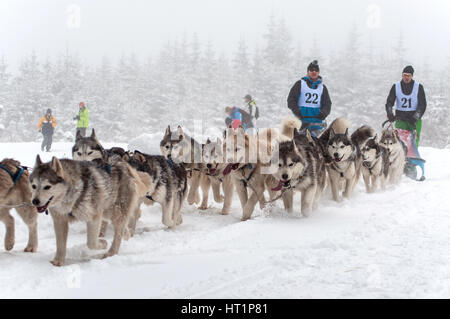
397 151
90 149
373 157
341 157
168 184
87 148
246 156
81 191
15 192
213 166
301 168
181 148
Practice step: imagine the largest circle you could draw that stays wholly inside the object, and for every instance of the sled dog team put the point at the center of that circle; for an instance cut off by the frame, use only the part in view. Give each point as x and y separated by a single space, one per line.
109 185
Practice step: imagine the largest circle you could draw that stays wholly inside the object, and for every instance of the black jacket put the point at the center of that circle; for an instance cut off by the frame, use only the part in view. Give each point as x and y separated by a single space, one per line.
292 100
408 116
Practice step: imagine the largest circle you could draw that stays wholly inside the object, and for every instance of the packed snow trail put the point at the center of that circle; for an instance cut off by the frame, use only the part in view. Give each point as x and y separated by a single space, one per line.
391 244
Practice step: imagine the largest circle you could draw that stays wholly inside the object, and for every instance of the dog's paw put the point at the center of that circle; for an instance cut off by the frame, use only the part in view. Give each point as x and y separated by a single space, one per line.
245 218
30 249
9 243
179 220
203 207
57 263
225 211
220 199
108 254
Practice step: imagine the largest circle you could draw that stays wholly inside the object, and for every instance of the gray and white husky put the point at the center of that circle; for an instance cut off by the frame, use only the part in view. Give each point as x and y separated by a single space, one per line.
301 168
81 191
168 184
179 147
343 166
397 151
90 149
374 158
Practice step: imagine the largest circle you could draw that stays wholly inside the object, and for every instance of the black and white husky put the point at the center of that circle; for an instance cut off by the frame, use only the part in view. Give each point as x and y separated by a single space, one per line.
343 164
374 158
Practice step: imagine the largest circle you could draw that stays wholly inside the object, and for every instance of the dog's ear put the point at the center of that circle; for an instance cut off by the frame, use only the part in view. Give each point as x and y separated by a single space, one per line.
346 132
180 132
57 167
93 136
219 141
332 134
296 132
38 161
208 141
126 157
309 137
167 133
78 136
141 158
395 135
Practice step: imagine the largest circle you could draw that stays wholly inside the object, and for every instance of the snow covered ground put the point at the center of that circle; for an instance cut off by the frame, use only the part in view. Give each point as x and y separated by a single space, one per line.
392 244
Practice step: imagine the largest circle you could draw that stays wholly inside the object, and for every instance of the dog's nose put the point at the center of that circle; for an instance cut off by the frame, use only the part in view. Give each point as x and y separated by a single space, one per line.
36 202
208 165
284 176
336 155
169 156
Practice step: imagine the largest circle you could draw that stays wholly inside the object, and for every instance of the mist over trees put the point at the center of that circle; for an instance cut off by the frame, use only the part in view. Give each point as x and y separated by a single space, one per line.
189 80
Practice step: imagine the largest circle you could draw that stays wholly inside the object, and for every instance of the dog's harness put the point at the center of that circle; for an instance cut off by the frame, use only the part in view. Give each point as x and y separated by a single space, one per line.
299 179
245 180
14 176
366 164
171 163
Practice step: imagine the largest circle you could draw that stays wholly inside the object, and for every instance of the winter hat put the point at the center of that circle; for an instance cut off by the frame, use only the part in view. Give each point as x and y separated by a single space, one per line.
82 104
314 66
49 111
408 69
248 97
228 109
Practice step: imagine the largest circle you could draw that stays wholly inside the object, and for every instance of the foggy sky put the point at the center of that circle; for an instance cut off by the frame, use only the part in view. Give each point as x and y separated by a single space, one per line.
115 27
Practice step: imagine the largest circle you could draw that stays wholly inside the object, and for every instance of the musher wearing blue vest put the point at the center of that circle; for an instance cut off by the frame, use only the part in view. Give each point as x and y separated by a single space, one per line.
309 100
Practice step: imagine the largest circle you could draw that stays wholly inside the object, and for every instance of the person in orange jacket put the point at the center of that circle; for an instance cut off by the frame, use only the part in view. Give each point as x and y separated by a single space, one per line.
47 126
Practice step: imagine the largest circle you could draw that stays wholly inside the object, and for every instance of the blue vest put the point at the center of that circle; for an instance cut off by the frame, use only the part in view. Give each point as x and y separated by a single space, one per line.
310 103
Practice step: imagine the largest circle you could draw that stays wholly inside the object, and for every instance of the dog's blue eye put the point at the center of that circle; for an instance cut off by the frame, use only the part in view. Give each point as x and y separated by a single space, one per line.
47 187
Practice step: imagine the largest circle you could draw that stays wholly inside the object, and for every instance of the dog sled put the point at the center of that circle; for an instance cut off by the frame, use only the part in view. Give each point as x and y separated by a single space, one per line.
413 159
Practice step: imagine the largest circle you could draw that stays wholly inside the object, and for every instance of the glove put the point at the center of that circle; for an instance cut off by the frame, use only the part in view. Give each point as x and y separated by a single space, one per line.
76 117
321 117
416 116
391 117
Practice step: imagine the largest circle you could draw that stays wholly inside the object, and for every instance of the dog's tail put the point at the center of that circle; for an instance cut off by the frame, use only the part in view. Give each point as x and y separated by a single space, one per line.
362 134
288 125
339 126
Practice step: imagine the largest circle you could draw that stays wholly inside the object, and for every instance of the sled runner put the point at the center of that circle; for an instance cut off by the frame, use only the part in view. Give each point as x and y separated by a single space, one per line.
413 158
